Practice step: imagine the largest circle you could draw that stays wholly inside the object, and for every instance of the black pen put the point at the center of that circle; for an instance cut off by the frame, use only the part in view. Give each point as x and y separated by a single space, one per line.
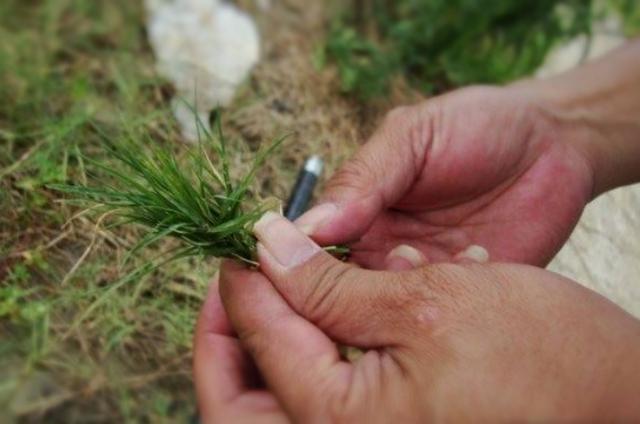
303 189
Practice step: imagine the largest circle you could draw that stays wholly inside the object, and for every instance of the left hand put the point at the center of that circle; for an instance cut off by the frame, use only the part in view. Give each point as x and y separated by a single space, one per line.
224 374
444 343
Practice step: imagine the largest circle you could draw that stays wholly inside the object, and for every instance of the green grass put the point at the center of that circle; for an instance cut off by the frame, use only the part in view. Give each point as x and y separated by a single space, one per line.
440 44
88 330
81 337
629 10
196 202
84 334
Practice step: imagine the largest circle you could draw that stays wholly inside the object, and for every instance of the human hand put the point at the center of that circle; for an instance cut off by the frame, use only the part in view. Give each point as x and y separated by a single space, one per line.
226 380
444 342
483 166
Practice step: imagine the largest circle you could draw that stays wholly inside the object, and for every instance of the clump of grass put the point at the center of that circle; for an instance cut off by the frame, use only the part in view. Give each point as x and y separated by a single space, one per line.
84 336
440 44
198 203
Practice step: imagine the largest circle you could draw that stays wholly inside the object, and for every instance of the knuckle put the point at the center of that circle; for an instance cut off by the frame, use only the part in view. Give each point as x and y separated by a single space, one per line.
441 281
356 174
327 293
398 295
400 301
458 287
436 277
365 168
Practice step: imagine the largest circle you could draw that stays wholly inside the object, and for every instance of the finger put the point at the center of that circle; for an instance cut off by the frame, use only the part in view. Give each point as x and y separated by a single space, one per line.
375 178
404 258
473 254
212 318
219 365
296 359
353 306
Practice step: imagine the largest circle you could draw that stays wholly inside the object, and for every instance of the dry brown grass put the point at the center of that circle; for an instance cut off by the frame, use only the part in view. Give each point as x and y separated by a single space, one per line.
77 342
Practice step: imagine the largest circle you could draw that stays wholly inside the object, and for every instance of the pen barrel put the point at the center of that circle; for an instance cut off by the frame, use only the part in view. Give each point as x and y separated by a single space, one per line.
301 195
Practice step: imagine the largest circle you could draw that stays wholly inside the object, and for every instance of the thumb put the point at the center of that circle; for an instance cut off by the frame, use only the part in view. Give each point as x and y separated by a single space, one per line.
351 305
380 173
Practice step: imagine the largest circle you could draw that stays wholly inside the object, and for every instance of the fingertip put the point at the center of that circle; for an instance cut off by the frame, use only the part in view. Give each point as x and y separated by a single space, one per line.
404 258
287 245
473 253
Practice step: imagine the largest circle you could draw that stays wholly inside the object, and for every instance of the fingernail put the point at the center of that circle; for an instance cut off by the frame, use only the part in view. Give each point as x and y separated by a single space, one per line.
316 217
404 257
475 253
284 242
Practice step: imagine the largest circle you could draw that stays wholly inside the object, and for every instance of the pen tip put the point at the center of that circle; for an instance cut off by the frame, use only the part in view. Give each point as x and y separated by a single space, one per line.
314 165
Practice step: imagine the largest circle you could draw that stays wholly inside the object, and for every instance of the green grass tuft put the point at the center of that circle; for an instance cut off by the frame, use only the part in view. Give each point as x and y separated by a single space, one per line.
195 202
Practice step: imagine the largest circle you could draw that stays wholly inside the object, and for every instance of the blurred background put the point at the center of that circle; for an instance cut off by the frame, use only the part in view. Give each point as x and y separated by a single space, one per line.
81 338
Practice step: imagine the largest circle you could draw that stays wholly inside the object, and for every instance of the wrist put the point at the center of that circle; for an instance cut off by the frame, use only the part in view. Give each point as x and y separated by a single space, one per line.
607 140
570 124
581 129
596 107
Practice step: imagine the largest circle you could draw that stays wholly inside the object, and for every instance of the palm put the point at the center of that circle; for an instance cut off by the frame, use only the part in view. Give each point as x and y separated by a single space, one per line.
496 174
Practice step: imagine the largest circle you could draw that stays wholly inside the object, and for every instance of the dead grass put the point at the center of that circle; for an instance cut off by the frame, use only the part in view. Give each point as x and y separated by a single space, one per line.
78 341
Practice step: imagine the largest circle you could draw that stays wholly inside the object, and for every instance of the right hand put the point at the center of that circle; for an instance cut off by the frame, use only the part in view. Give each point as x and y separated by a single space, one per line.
480 166
445 342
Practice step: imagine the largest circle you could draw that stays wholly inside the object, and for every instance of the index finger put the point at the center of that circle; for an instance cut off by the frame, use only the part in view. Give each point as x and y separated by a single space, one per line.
380 173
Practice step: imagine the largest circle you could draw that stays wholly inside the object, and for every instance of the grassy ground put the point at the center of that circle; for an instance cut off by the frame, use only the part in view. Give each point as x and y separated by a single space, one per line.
78 340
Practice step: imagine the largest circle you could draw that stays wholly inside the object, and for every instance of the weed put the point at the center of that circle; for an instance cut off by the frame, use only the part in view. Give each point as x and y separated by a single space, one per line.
72 70
439 44
195 201
83 336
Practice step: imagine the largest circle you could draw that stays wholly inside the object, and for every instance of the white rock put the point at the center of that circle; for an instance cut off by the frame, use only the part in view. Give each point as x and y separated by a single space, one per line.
206 48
